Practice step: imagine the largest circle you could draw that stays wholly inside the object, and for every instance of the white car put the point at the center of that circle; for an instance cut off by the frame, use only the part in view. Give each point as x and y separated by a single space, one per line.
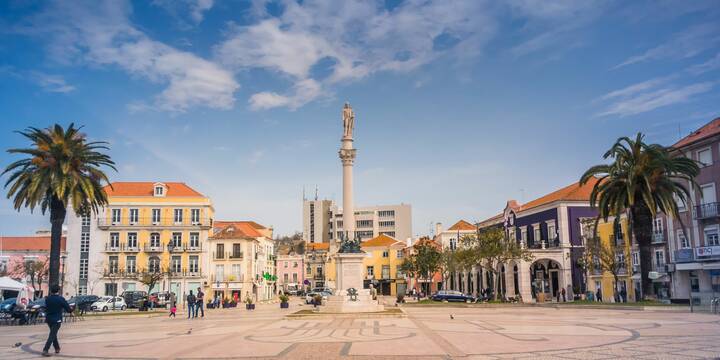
106 303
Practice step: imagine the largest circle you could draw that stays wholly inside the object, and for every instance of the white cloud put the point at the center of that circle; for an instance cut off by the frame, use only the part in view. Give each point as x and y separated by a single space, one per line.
650 95
100 34
710 65
198 8
256 156
52 83
685 44
181 9
356 38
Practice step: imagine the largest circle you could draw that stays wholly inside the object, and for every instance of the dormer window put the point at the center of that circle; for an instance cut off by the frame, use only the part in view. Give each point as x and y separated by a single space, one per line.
159 189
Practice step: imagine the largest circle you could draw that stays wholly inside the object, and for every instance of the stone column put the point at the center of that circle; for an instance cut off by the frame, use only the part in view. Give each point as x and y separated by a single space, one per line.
347 157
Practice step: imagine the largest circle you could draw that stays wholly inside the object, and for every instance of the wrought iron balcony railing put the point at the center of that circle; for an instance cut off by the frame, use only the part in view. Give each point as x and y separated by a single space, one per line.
706 211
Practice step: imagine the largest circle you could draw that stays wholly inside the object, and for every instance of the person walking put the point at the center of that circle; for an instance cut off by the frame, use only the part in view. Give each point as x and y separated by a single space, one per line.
190 301
173 309
562 292
199 303
55 305
598 295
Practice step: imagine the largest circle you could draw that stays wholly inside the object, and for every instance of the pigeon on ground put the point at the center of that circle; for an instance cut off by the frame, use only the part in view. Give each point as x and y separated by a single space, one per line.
19 344
452 317
189 331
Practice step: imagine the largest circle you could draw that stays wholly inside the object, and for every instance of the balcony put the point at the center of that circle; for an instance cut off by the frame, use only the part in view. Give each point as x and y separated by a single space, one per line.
658 238
131 249
235 255
192 273
228 278
193 247
153 249
110 247
545 244
706 211
149 222
176 248
219 255
661 268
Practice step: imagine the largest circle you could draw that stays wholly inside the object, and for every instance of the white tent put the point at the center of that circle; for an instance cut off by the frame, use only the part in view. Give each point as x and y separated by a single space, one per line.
7 283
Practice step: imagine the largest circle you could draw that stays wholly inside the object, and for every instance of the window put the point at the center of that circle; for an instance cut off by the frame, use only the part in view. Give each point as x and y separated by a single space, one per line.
219 272
85 220
295 277
620 257
680 204
711 236
115 216
220 251
386 253
178 216
684 243
82 290
453 243
236 251
659 258
155 240
194 240
295 264
133 216
364 223
236 270
552 234
132 240
308 270
386 271
113 265
130 263
195 216
194 263
286 264
523 235
704 156
115 240
286 278
154 264
111 289
387 223
159 190
370 271
399 254
84 242
177 239
176 264
83 268
156 216
658 225
388 233
537 236
386 213
636 258
364 234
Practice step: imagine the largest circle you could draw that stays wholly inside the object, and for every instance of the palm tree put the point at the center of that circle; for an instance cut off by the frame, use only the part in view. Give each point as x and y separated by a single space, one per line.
641 181
61 168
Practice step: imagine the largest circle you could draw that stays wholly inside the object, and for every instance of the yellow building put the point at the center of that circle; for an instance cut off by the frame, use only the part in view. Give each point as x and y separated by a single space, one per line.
319 266
152 228
617 240
384 257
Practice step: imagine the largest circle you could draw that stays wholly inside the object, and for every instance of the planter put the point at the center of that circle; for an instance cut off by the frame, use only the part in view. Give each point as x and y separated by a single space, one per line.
284 305
250 306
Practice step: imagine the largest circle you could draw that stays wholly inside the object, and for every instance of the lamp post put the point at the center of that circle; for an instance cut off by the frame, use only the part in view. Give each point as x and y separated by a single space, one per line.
171 247
62 274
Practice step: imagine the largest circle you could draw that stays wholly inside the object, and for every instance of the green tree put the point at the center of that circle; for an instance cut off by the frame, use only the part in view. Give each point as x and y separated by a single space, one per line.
423 263
61 168
150 278
492 248
641 181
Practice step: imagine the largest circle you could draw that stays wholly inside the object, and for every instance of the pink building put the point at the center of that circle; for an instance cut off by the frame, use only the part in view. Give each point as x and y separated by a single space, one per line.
289 268
15 251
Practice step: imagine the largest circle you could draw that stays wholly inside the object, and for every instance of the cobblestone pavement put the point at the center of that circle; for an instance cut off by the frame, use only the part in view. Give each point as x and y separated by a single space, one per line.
427 333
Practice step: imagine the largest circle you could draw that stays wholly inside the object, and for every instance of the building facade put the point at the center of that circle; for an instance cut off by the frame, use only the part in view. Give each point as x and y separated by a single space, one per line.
549 227
693 239
146 227
434 282
319 268
383 257
290 270
17 251
323 221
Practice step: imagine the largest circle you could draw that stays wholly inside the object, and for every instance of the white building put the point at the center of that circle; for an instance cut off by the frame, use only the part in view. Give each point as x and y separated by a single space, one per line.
323 221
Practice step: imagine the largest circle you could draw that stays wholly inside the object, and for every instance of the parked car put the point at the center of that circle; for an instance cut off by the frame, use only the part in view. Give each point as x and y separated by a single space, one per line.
293 289
452 295
8 305
108 303
36 309
161 299
134 299
83 302
309 297
323 289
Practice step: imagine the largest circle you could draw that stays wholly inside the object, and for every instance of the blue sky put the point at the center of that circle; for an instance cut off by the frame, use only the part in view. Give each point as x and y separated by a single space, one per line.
460 105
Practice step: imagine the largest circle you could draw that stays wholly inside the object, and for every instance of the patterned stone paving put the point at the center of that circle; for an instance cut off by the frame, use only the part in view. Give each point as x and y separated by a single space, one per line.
427 333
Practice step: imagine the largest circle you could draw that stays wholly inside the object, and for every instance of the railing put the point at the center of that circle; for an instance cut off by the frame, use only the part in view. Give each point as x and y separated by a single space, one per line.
228 278
127 248
219 255
661 268
619 239
105 222
193 248
706 211
176 248
149 248
658 238
684 255
112 248
235 255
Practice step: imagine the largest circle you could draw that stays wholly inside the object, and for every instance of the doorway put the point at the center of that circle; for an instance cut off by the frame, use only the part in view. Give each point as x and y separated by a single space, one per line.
554 283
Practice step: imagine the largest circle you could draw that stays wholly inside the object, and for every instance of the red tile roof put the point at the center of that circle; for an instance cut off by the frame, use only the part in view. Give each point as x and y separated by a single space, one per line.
708 130
248 228
28 243
316 246
380 240
147 189
462 225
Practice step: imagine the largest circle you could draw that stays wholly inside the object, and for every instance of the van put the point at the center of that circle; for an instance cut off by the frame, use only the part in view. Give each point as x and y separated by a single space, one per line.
134 299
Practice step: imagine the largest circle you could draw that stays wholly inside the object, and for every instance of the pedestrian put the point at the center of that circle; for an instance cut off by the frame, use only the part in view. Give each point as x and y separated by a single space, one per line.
173 309
200 303
598 295
190 301
54 305
557 295
173 300
623 295
562 291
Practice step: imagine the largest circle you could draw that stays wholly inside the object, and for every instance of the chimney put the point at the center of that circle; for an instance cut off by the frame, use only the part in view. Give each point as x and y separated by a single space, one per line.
438 228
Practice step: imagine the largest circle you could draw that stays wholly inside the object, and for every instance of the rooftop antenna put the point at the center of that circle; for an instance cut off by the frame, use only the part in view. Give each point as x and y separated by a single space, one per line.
316 192
304 198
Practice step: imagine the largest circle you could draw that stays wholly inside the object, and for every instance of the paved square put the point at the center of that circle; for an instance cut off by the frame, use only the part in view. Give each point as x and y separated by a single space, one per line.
427 332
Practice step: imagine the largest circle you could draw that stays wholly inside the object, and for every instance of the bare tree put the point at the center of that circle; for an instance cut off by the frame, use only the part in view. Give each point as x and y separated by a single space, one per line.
36 270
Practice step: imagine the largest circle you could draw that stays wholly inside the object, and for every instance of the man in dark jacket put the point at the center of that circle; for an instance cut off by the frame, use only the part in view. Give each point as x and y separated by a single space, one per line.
55 305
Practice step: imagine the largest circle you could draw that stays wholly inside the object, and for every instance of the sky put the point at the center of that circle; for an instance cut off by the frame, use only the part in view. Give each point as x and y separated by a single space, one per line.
460 105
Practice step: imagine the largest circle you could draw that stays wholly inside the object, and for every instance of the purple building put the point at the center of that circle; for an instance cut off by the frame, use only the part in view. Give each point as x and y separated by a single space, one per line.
550 228
695 250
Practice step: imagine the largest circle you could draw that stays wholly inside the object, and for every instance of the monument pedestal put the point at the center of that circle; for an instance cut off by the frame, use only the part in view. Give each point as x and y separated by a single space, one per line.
349 276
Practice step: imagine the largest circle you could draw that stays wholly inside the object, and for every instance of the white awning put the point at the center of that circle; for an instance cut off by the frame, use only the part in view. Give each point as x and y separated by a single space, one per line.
698 266
7 283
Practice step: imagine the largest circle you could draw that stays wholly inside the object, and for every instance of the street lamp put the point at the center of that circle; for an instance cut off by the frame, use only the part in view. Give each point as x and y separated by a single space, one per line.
171 247
62 273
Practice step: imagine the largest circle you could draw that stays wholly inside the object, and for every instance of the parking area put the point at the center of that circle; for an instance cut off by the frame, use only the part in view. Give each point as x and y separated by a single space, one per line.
427 332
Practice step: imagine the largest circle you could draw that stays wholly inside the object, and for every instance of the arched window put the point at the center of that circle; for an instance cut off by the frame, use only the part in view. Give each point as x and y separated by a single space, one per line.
154 264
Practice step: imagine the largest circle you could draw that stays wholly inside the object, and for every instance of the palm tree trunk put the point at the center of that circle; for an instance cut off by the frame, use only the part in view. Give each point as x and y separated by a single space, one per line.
642 230
57 218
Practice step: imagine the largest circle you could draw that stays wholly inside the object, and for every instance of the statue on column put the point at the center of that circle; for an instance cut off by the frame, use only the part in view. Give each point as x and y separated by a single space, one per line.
348 120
